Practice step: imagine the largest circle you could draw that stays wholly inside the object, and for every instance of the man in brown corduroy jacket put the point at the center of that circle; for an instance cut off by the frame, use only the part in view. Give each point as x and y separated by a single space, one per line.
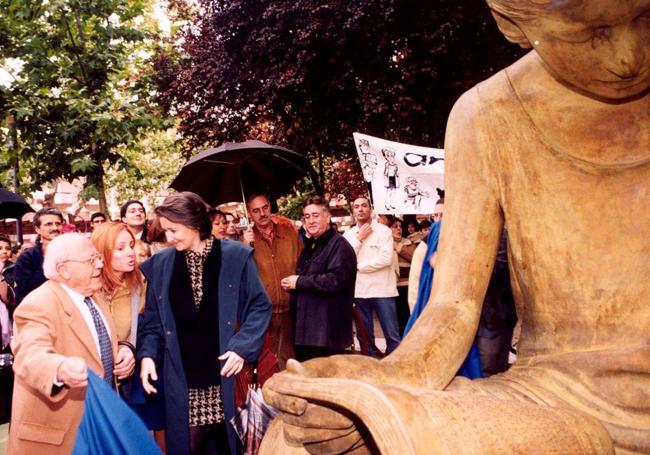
277 247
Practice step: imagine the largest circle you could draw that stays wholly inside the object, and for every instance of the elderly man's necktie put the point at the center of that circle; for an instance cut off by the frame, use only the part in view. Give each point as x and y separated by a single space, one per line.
105 346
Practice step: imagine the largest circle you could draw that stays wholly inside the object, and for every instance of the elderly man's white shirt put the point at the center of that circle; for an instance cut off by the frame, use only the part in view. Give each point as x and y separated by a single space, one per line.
78 300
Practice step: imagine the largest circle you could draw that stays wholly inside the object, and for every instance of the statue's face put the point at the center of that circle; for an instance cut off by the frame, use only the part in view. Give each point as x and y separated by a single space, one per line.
599 46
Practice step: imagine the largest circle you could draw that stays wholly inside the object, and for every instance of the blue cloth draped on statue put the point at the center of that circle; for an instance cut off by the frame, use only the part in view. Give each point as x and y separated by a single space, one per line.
471 367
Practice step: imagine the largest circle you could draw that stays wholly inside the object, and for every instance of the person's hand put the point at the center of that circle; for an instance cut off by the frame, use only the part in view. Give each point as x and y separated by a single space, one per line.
125 363
232 365
316 427
147 374
73 372
249 235
289 282
364 231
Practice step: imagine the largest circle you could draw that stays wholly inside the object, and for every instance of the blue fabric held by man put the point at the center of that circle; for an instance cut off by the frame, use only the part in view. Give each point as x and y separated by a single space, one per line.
109 426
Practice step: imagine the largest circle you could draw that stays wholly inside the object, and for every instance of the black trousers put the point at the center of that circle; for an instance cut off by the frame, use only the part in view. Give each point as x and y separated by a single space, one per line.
493 352
209 440
311 352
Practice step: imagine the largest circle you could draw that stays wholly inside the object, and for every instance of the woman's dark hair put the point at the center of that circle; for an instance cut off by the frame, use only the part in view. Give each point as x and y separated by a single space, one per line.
156 233
125 207
213 213
6 239
188 209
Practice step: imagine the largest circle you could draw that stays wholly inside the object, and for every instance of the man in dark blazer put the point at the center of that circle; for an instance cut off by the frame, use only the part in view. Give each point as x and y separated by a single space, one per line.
323 287
28 274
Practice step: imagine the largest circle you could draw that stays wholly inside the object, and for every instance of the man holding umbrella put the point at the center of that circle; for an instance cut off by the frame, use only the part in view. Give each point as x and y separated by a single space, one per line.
277 247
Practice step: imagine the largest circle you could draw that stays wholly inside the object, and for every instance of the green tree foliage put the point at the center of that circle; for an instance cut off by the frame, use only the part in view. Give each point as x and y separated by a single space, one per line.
147 167
81 92
341 176
308 73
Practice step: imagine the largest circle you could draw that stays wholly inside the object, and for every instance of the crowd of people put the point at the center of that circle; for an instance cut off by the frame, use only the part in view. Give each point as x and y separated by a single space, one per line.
169 310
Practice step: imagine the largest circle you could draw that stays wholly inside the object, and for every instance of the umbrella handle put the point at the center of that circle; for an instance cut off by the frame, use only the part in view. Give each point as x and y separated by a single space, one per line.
243 195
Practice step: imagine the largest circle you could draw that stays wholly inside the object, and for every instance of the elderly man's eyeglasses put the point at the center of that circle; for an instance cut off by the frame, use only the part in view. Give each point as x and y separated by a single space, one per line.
92 261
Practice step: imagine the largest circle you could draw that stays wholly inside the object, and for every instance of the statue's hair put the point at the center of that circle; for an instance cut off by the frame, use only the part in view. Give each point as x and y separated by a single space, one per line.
523 10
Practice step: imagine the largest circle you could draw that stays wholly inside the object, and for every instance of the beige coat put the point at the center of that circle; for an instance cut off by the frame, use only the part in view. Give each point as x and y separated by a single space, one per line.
48 327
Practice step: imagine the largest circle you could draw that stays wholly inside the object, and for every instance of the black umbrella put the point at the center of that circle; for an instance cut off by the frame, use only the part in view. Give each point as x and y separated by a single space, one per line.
12 205
221 174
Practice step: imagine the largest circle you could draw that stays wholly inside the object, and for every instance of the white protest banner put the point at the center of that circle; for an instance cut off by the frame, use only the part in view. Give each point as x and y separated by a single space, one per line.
404 178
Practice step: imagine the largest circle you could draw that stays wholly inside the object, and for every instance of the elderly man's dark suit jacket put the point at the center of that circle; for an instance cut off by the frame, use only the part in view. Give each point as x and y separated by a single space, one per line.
322 300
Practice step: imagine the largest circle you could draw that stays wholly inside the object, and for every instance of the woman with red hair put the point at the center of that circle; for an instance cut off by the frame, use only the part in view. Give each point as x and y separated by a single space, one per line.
124 290
121 277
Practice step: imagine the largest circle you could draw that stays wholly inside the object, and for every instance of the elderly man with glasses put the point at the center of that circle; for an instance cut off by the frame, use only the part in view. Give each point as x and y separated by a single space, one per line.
322 290
62 328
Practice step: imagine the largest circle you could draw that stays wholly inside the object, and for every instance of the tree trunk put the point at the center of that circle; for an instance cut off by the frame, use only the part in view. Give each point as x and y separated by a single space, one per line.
15 177
321 170
101 189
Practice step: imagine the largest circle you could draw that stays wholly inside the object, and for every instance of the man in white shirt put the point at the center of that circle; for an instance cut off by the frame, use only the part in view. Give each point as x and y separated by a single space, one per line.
376 285
134 216
62 328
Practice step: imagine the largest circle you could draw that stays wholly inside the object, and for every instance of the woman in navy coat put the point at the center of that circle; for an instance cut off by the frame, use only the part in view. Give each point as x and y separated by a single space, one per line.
197 295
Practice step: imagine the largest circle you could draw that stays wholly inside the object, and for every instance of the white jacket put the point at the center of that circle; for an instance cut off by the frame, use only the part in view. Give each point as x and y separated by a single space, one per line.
375 275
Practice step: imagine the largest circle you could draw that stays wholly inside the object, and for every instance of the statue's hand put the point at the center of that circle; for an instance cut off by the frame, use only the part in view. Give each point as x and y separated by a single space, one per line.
319 429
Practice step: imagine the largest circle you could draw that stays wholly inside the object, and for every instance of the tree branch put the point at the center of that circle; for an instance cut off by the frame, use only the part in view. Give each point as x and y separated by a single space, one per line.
76 52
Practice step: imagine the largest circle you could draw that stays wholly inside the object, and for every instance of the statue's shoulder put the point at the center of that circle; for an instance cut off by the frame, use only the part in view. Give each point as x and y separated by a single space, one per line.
488 106
497 91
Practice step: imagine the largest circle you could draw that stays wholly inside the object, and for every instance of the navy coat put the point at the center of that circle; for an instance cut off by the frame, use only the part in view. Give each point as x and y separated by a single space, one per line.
241 298
28 272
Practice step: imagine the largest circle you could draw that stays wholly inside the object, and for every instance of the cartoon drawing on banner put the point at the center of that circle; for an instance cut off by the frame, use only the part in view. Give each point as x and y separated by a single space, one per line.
369 163
401 178
392 174
413 193
367 159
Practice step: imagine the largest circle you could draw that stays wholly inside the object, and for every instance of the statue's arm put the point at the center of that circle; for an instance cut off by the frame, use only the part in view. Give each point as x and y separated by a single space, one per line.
469 240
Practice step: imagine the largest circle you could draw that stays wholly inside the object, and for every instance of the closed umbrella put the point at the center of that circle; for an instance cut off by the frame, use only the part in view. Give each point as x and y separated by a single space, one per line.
225 173
252 420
